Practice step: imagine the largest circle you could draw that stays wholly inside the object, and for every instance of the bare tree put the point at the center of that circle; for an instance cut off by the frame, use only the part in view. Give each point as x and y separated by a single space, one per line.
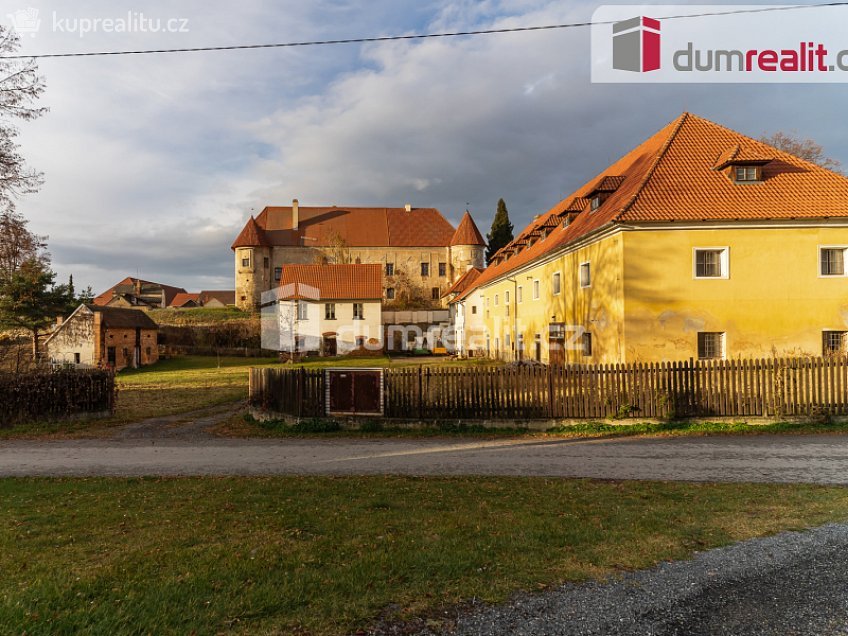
339 252
20 88
806 149
18 245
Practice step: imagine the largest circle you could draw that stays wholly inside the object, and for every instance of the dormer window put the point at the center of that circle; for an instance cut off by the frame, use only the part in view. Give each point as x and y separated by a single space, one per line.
743 164
747 174
595 202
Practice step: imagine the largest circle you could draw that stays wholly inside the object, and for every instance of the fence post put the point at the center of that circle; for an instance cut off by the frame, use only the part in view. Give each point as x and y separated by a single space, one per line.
420 392
550 392
301 380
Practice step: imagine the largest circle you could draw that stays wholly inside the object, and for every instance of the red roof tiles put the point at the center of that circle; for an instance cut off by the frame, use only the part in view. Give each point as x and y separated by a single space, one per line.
467 232
671 177
143 289
357 227
334 282
251 235
463 282
185 298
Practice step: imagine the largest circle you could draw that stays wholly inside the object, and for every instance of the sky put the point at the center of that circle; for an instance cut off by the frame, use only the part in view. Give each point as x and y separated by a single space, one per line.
153 163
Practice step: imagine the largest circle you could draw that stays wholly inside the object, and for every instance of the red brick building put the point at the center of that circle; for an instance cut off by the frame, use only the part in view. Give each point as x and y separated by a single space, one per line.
96 336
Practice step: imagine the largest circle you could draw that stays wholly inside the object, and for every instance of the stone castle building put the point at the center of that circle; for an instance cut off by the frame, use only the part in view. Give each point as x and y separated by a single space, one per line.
420 252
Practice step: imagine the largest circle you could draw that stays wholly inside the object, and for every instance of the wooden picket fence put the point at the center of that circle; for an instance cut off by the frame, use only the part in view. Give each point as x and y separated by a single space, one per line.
53 395
772 387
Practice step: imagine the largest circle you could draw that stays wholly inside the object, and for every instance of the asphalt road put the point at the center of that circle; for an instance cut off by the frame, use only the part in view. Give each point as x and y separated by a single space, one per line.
759 458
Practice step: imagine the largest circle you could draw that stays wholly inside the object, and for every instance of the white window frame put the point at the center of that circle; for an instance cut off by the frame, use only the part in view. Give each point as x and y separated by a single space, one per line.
519 294
506 297
327 311
844 249
537 289
556 283
724 261
361 315
587 264
496 299
302 310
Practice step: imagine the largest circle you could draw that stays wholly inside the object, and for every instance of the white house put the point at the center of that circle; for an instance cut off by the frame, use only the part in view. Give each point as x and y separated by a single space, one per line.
330 309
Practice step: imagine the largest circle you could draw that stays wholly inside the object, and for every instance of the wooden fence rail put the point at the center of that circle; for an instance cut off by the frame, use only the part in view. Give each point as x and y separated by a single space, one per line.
770 387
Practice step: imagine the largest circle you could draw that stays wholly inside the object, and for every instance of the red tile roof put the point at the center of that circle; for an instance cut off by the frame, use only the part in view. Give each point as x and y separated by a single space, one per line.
738 154
358 227
467 232
463 282
183 298
334 282
671 177
251 235
130 285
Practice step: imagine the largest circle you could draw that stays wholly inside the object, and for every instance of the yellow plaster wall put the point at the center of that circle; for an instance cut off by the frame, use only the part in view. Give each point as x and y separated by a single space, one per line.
773 301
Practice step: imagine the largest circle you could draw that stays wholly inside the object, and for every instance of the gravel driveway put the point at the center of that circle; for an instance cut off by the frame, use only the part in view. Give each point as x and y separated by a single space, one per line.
760 458
794 583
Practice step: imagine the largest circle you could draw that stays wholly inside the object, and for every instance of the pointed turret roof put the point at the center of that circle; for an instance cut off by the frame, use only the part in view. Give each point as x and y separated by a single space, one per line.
467 232
251 236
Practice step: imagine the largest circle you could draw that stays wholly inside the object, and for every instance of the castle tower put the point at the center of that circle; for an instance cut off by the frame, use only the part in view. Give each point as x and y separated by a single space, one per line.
467 248
253 265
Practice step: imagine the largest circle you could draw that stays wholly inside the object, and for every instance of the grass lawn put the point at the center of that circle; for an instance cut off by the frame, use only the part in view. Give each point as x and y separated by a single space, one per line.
329 555
199 315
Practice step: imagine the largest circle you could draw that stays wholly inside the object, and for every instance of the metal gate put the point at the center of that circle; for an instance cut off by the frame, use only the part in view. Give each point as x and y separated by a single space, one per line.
354 391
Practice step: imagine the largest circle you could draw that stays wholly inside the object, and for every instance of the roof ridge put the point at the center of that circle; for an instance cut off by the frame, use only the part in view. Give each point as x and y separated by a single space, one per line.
653 168
766 145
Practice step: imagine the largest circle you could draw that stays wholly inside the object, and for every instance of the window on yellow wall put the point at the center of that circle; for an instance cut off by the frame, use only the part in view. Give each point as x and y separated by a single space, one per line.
711 345
587 344
518 294
536 290
585 274
834 343
556 283
832 261
711 262
496 300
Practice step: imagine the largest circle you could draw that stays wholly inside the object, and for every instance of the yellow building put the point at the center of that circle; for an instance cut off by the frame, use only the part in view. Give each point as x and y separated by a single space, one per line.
420 252
699 243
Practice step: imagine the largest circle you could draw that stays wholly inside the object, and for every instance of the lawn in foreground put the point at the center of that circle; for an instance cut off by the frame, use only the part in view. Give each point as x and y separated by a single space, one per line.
321 555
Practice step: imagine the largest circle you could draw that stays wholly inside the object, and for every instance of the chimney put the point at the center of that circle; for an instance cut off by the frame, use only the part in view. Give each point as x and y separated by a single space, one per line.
408 207
59 321
295 214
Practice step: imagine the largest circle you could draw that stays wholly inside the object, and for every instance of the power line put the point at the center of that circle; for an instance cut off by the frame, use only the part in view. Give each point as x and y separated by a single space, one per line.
418 36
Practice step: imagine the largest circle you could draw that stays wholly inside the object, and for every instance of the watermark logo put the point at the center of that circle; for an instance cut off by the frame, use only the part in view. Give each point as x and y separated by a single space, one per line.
636 45
28 21
719 44
25 21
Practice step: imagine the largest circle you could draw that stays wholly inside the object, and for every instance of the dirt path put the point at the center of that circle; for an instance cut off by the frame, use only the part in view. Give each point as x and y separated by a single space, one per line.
194 425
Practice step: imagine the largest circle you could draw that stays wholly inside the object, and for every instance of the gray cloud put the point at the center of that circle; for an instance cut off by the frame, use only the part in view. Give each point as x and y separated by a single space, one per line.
153 164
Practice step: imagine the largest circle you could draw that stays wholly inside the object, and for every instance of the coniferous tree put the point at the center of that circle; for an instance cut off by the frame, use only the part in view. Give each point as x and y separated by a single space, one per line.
30 300
501 232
